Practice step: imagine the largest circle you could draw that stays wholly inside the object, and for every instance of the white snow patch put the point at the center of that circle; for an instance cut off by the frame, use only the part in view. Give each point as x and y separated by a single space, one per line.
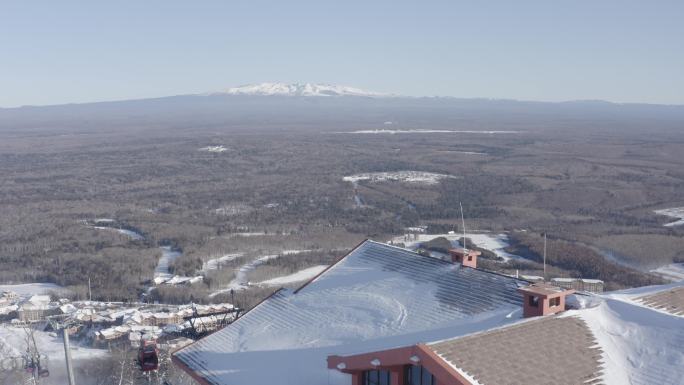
131 234
289 252
495 243
219 149
168 256
215 263
418 131
675 212
240 281
235 209
302 275
399 176
30 289
672 272
468 152
248 234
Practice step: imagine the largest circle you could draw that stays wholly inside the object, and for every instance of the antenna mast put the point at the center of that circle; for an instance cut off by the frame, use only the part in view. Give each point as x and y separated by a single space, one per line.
465 248
544 256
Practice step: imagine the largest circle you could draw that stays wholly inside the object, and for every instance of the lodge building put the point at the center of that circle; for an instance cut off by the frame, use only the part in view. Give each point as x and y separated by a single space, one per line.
383 315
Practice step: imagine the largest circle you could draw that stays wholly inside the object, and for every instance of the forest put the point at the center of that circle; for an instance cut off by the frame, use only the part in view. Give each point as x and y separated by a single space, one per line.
273 189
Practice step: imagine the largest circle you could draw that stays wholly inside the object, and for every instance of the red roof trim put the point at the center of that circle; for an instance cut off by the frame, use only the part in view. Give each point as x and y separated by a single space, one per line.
401 356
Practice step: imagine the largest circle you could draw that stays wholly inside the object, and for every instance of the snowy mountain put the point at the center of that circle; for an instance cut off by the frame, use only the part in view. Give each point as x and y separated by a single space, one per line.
300 89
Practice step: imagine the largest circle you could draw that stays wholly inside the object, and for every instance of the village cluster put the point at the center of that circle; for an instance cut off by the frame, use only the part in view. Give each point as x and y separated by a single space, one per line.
101 324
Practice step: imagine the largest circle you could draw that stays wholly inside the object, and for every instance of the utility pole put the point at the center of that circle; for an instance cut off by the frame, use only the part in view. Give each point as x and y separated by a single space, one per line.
544 257
465 248
90 294
64 327
67 354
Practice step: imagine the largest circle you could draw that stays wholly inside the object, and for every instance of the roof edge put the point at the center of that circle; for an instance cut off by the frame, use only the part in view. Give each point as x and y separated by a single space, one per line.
331 266
173 355
443 364
180 364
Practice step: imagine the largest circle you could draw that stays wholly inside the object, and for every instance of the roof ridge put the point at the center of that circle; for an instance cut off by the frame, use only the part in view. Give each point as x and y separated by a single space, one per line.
521 322
450 263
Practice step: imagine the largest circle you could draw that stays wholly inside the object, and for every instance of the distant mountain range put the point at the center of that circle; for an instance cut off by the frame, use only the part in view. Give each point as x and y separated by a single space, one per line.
324 107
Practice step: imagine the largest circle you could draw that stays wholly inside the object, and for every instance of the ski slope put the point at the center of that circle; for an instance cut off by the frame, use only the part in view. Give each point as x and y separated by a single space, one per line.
675 212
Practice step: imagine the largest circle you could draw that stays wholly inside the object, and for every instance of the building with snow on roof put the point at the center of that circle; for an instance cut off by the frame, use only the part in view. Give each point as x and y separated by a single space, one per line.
387 316
580 284
37 308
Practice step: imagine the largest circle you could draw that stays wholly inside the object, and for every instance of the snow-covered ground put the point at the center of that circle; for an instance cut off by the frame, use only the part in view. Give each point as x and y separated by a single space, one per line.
295 251
418 131
248 234
495 243
162 275
52 346
400 176
300 276
215 263
234 209
675 212
240 281
468 152
29 289
132 234
672 272
358 201
168 255
220 148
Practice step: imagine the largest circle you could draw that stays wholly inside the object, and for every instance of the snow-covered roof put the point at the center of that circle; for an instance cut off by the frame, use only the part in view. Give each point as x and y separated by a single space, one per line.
39 300
570 280
68 308
607 339
377 297
641 345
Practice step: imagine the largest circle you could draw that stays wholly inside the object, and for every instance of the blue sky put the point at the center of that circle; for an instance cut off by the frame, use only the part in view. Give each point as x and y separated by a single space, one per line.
77 51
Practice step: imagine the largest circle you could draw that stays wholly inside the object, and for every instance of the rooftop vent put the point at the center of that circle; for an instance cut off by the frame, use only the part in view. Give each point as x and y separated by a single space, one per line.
464 257
543 299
